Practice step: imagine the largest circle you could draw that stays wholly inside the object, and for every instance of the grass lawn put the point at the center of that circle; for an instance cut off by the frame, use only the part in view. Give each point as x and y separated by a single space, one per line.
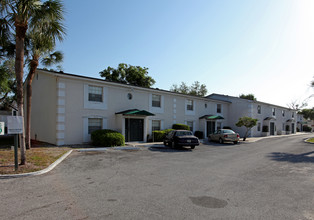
311 140
36 159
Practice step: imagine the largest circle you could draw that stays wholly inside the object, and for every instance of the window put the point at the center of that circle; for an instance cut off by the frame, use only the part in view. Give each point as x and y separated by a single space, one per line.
292 114
274 111
94 124
205 105
190 124
189 105
218 108
156 125
283 113
156 101
259 109
258 126
95 93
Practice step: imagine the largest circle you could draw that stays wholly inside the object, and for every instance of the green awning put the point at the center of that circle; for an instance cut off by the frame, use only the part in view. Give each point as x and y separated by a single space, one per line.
135 112
269 118
211 117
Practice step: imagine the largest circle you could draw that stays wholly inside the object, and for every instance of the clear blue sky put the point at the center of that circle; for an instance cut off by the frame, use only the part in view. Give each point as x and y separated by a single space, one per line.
264 47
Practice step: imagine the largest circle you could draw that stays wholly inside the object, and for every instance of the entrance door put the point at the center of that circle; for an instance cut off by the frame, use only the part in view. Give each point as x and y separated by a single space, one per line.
134 129
292 128
272 128
210 127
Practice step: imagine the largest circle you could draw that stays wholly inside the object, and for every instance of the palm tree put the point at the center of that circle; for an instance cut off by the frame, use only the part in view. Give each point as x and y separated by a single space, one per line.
42 41
20 15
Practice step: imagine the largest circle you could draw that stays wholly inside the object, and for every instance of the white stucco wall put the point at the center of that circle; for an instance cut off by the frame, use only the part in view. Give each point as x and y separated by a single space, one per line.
68 108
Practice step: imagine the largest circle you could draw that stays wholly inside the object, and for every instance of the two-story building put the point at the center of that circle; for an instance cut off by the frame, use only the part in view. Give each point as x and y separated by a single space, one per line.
66 108
272 119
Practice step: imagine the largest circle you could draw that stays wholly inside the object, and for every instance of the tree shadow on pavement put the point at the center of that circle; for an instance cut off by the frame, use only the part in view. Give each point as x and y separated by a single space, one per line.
168 149
292 158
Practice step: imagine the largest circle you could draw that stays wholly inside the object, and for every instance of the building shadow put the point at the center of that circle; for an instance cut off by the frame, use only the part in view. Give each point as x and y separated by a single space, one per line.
167 149
292 158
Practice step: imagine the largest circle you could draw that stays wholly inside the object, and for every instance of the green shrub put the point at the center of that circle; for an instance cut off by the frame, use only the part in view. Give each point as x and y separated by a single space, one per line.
199 134
307 128
180 127
167 131
107 138
158 136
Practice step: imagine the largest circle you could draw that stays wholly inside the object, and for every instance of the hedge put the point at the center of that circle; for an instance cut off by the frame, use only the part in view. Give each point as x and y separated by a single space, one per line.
307 128
159 136
180 127
107 138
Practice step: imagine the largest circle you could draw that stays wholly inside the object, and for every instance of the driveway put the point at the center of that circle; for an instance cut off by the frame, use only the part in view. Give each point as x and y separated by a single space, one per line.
269 179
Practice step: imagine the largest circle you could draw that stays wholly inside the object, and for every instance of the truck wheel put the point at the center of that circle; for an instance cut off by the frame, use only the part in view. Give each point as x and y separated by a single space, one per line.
192 147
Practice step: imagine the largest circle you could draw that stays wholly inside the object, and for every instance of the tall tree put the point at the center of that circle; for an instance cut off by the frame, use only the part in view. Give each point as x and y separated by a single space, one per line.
307 113
19 15
196 89
42 41
128 74
248 96
7 81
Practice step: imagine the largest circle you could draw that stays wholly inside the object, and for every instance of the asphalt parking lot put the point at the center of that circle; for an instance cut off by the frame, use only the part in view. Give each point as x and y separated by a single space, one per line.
269 179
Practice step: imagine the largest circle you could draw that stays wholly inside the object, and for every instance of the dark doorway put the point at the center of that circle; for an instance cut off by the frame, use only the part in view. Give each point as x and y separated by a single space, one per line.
292 128
272 128
210 127
134 129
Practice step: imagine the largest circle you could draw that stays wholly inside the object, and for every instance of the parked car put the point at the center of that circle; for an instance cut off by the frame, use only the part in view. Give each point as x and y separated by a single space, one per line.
181 138
224 135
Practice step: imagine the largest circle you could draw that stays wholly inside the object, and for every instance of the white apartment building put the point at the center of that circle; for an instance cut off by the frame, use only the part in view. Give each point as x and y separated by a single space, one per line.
279 120
66 108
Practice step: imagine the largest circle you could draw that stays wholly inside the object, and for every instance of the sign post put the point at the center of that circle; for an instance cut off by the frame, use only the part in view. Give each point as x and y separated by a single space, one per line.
15 126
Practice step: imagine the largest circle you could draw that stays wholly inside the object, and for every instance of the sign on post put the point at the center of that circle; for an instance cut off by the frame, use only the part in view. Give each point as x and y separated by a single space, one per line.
15 124
1 128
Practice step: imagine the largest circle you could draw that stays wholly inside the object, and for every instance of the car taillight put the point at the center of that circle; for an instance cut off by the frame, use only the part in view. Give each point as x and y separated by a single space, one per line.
225 136
238 136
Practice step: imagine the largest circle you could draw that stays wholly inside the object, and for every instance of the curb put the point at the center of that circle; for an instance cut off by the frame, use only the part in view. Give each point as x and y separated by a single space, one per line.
46 170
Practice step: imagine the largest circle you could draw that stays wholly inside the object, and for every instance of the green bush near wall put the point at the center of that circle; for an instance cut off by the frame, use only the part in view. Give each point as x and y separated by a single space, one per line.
107 138
180 127
159 136
307 128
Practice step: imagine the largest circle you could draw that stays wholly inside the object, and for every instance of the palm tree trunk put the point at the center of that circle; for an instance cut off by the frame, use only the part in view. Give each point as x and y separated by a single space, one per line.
31 74
19 64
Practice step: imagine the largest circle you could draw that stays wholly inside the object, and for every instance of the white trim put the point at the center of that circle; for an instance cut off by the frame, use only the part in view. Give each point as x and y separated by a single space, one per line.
60 118
61 101
61 93
60 135
61 85
60 110
60 127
